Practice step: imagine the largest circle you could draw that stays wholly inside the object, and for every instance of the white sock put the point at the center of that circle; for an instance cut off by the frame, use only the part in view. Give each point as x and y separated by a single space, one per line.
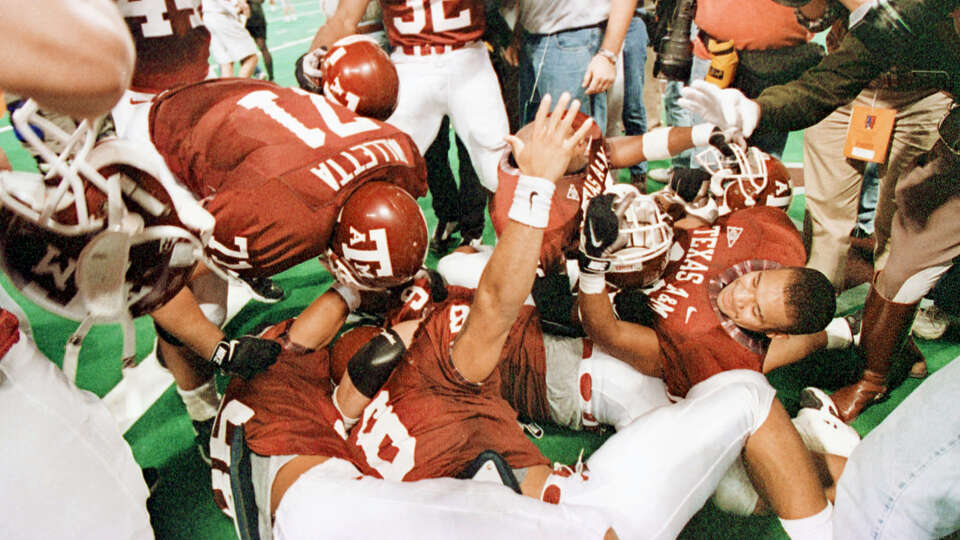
201 402
816 527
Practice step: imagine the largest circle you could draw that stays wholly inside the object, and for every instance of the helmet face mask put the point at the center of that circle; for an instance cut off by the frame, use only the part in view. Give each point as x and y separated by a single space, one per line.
646 233
380 239
746 178
99 237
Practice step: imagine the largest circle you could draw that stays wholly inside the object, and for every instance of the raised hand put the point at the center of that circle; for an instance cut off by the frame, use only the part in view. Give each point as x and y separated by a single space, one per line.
552 143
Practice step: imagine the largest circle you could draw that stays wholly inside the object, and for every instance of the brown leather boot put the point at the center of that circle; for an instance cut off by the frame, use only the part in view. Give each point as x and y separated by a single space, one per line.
915 359
885 327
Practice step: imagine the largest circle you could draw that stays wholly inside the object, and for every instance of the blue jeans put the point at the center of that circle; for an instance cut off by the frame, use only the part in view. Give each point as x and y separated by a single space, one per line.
903 480
675 115
634 59
555 63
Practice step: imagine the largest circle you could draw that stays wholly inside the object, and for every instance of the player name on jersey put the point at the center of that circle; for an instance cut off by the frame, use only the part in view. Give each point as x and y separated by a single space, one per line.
340 169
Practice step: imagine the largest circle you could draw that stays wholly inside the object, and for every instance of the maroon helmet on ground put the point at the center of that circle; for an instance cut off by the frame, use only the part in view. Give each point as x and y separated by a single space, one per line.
380 239
358 74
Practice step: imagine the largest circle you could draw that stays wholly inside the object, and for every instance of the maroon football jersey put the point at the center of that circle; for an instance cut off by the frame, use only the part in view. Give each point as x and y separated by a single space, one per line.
425 22
291 402
523 368
427 421
171 41
696 339
275 165
523 364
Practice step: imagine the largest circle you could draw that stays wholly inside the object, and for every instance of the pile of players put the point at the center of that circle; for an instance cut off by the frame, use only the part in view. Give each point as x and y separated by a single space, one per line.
654 314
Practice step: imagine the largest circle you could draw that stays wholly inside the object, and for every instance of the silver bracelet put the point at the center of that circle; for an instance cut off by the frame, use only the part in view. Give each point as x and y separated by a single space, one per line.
609 56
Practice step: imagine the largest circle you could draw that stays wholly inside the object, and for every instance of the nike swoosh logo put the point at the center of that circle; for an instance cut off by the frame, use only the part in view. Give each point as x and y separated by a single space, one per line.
532 195
139 101
690 311
593 236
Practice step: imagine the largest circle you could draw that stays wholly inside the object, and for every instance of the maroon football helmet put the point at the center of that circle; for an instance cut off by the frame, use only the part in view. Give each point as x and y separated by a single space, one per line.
648 235
359 75
747 178
380 239
103 236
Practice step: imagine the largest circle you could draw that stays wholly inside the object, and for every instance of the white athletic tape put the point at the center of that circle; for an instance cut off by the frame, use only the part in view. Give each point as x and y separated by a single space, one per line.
655 144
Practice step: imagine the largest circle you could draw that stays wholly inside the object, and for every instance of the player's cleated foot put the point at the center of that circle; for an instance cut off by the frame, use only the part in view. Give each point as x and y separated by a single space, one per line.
812 397
930 323
824 433
203 430
265 290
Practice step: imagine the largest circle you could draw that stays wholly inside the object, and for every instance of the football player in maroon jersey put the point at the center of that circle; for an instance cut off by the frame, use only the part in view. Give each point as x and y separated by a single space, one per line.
444 70
284 173
734 296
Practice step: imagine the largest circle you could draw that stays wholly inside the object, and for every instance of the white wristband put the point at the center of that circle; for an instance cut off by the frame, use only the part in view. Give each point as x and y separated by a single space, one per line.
592 283
655 144
531 201
349 293
700 134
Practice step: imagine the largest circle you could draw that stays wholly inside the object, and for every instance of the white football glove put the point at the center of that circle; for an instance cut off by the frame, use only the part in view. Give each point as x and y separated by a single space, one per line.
311 62
727 108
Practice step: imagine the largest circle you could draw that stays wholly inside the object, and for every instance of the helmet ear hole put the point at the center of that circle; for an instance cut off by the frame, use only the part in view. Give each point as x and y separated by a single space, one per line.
380 238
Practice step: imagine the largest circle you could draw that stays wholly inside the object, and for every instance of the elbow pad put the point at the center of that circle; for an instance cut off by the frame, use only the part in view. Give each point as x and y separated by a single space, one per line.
373 363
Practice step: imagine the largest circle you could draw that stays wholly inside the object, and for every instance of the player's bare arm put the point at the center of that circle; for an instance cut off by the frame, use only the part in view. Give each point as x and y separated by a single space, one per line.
77 57
343 23
183 318
602 69
634 344
659 143
508 277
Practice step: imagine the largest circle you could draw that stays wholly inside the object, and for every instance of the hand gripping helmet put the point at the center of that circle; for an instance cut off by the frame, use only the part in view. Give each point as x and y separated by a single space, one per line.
746 178
646 234
380 238
358 74
107 234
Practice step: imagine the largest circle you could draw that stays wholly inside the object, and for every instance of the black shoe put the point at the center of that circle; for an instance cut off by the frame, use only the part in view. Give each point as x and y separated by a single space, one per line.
443 237
265 290
203 430
151 477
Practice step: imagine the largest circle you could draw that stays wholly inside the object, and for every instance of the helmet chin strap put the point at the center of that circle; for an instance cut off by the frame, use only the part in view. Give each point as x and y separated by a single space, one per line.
101 284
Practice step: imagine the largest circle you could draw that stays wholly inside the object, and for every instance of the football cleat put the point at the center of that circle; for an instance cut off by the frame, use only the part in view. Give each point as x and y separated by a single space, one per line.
825 433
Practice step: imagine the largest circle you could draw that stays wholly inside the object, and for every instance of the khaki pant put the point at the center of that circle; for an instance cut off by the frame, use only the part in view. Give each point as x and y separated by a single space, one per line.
832 182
